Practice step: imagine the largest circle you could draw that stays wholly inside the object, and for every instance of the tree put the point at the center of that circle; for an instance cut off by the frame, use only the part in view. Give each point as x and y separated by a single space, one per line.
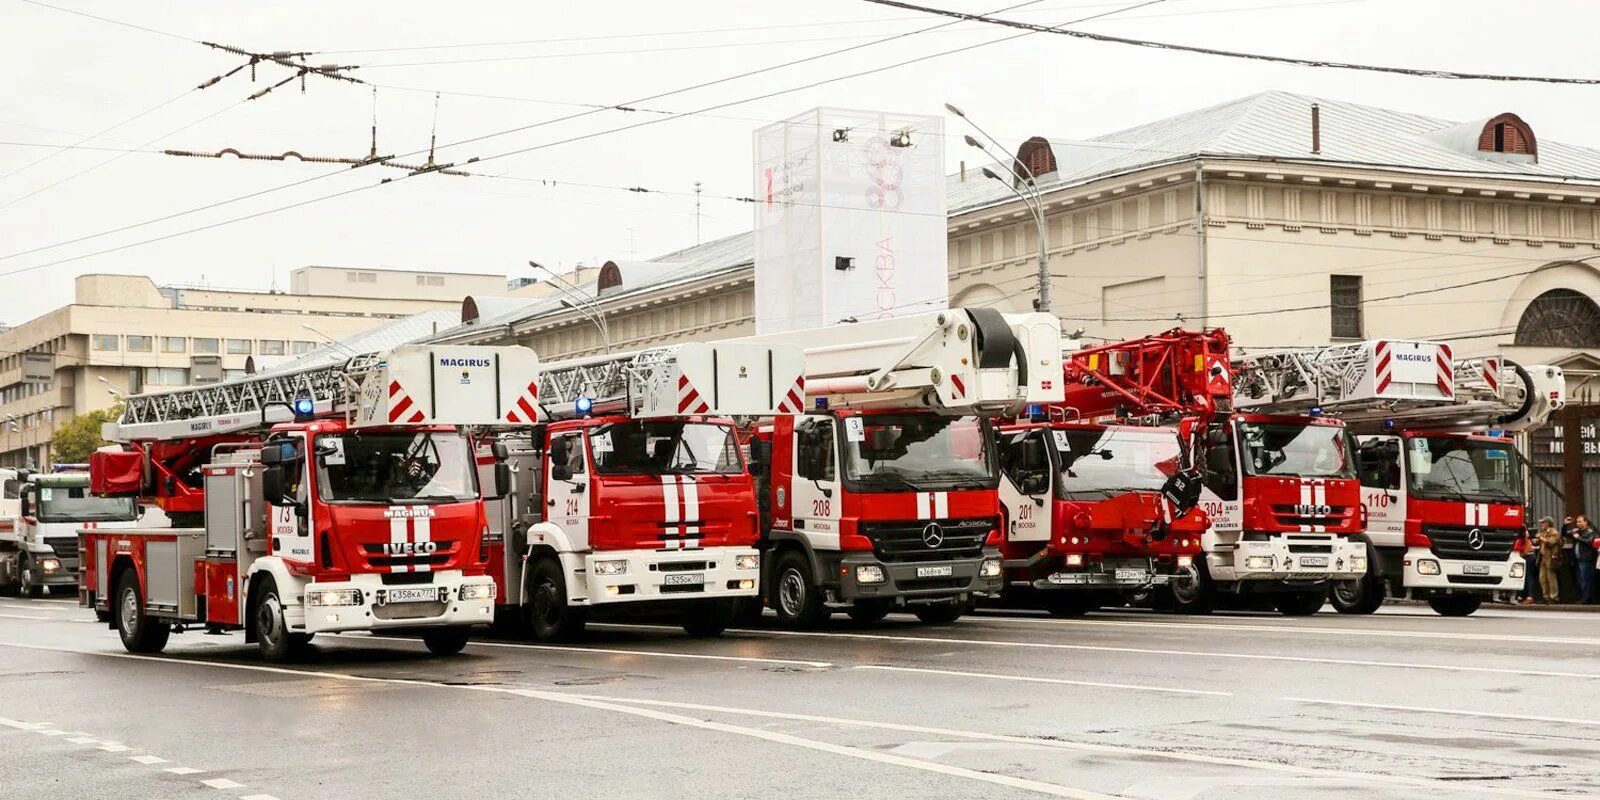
76 438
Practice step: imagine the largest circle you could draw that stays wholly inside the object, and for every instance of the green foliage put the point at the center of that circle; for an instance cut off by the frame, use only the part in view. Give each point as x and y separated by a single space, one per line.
76 438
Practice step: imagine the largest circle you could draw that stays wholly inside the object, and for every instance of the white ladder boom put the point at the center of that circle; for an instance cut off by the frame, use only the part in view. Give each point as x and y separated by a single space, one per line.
692 379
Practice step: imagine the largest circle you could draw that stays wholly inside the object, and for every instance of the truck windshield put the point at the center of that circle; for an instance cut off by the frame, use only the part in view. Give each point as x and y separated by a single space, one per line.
664 447
1292 450
1459 468
894 452
1096 464
75 504
431 466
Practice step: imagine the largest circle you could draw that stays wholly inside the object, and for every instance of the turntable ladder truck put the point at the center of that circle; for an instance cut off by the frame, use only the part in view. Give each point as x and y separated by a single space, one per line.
633 495
1441 478
329 499
882 482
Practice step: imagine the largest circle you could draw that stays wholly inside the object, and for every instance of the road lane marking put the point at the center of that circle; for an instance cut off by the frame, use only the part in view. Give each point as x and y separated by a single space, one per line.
184 770
1029 679
627 705
27 616
113 747
24 726
51 733
223 783
1450 711
1253 628
148 760
615 651
83 740
258 797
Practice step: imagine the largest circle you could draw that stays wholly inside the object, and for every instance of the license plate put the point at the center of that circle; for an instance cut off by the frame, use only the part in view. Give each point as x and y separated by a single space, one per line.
1475 569
935 572
684 579
1130 576
1313 561
421 594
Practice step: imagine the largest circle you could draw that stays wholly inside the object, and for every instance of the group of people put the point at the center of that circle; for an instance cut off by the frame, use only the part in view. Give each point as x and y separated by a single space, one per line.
1562 562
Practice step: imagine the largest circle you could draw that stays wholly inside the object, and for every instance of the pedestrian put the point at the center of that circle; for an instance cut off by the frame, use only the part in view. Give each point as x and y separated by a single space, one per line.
1549 540
1567 573
1586 549
1530 569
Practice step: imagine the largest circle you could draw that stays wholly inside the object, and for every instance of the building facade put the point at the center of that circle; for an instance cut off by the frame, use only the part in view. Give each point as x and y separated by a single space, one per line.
392 283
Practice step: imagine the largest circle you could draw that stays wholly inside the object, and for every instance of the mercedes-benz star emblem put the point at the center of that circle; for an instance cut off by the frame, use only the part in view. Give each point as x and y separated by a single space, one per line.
1475 539
932 535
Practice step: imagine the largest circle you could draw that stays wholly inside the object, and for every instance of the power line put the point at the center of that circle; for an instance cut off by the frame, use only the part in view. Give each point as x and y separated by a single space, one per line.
81 147
110 21
1304 62
91 137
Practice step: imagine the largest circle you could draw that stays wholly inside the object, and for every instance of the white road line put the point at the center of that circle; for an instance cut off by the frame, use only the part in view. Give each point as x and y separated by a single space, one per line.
148 759
23 726
112 747
1029 679
83 740
223 783
26 616
258 797
1450 711
184 770
51 733
1254 628
628 706
618 651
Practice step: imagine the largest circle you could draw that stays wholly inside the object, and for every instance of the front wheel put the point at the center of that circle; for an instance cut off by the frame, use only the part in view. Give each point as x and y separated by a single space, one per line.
1300 604
1192 591
1455 605
30 581
941 614
1362 596
446 641
276 643
549 615
798 598
140 632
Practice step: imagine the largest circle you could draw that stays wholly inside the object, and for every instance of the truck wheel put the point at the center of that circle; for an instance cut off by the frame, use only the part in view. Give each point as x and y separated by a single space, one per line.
140 632
549 615
941 614
1069 603
799 598
1455 605
708 618
1192 592
1357 597
1300 604
273 638
28 581
446 641
867 612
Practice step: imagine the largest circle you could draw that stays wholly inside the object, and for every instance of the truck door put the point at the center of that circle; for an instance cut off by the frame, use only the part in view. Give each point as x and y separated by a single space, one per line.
567 499
817 504
288 516
1219 495
1025 481
1383 489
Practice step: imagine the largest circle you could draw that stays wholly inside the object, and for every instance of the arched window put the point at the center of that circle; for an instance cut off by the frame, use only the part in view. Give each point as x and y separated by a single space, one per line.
1035 158
1507 133
610 277
1560 318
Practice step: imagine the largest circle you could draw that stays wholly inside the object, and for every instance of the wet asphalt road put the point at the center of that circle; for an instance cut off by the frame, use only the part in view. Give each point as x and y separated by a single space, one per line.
1402 704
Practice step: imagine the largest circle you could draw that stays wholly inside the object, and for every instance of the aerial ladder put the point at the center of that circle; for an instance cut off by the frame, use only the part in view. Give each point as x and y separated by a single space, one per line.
1441 477
881 477
633 495
338 497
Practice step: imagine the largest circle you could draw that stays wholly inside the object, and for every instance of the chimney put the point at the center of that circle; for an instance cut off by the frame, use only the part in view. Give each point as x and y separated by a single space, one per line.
1316 129
963 170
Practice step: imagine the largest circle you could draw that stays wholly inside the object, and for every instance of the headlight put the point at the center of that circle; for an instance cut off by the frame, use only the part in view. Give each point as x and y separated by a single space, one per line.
49 564
1518 569
747 562
990 568
616 567
1074 559
1358 563
333 597
1185 561
477 591
1258 562
869 573
1427 566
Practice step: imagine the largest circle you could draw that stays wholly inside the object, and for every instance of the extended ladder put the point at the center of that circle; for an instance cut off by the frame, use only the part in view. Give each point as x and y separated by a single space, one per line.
696 378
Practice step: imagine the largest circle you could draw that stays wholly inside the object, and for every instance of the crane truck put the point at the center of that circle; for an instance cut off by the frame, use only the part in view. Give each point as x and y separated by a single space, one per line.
39 544
630 492
1441 479
881 484
329 498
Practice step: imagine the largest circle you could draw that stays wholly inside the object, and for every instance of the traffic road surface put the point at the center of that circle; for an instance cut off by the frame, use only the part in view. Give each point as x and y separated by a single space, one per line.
999 705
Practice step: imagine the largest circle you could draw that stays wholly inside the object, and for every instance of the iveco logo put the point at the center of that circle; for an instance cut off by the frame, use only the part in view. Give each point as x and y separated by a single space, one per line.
1310 510
933 535
410 548
1475 539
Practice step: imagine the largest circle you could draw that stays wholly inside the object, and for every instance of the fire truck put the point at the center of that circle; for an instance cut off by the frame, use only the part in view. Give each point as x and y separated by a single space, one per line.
631 491
39 545
881 480
1096 509
332 498
1444 500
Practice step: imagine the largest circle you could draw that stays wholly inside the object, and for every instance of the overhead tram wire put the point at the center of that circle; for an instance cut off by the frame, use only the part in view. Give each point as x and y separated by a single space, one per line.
85 140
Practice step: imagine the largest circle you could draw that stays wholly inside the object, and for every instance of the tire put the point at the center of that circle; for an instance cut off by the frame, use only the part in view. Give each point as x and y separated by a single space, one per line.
867 612
941 614
1455 605
1300 604
273 638
140 632
1070 603
708 618
446 641
25 582
796 596
1362 596
1191 595
550 617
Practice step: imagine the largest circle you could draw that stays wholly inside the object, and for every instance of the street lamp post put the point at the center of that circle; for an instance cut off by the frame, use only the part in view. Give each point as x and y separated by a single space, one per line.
1034 200
587 307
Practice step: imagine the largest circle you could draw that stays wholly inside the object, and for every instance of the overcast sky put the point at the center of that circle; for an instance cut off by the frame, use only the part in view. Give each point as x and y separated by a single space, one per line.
68 77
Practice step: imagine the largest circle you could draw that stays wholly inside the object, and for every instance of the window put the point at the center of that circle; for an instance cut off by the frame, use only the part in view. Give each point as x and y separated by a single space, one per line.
662 447
239 347
301 348
104 341
361 277
1221 471
140 344
1344 294
1560 318
272 347
166 376
430 280
173 344
206 346
815 452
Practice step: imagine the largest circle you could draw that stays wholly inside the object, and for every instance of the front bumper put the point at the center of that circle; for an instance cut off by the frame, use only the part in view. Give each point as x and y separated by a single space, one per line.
654 575
371 615
1459 575
1308 557
918 581
1112 574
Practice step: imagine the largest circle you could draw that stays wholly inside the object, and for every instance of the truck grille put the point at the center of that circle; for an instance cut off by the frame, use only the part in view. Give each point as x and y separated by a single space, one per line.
380 560
1452 541
1328 516
908 541
64 546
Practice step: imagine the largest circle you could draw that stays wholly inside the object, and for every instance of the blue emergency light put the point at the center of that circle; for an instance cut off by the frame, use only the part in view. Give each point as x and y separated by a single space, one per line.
1036 412
822 404
1388 424
1316 411
584 405
303 408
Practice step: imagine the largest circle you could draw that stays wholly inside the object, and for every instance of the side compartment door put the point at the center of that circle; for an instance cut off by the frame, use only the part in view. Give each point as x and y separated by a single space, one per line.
817 502
1026 478
567 500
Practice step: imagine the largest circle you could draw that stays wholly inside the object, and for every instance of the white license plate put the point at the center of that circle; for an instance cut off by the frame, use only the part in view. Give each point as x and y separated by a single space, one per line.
1475 569
684 579
1130 576
935 572
420 594
1313 561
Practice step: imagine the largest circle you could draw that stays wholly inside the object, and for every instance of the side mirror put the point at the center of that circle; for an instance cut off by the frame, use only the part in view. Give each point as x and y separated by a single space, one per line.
760 452
499 451
279 452
27 504
560 471
272 484
502 479
1216 436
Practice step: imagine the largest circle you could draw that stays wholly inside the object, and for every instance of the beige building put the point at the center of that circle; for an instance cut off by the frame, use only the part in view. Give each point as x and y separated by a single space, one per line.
123 333
392 283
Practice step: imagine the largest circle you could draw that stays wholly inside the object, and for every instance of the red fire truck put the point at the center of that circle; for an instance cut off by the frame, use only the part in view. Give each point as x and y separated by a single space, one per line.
333 498
634 496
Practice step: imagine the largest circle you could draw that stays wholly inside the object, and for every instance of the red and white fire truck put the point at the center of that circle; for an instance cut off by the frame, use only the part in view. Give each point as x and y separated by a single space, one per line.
1096 509
1444 498
635 495
881 475
332 498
